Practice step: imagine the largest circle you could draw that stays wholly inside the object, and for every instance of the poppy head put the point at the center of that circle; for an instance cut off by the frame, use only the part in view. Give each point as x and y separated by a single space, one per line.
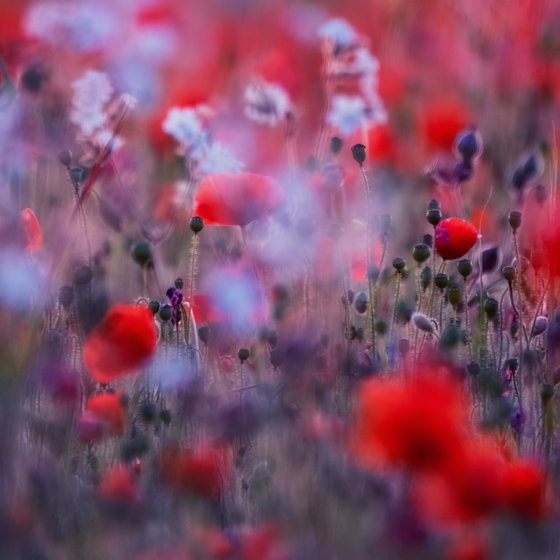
236 199
121 343
454 238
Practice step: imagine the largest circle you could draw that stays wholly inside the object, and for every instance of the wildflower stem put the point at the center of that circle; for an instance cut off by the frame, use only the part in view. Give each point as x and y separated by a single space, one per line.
192 280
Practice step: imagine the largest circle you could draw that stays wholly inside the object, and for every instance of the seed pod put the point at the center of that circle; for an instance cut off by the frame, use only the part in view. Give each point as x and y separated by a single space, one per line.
434 216
441 280
336 144
142 253
539 326
464 268
514 220
398 264
422 322
196 224
153 306
420 253
179 283
508 272
165 312
243 354
454 295
361 302
491 307
468 144
426 277
359 154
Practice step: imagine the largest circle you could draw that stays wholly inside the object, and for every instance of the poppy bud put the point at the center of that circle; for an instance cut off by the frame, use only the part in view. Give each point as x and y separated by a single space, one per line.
539 326
243 354
65 158
422 322
514 220
463 171
179 283
76 174
83 275
421 253
398 264
142 253
426 277
508 272
361 302
153 306
433 215
527 171
464 268
441 280
469 144
454 295
165 312
359 154
336 144
491 307
196 224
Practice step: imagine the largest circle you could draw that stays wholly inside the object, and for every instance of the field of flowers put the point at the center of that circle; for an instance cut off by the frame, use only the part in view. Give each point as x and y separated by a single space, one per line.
279 280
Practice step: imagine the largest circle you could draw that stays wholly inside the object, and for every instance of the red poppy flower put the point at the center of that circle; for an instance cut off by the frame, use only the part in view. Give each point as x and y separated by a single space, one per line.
108 407
121 343
194 472
31 229
524 489
401 423
442 120
454 238
118 484
236 199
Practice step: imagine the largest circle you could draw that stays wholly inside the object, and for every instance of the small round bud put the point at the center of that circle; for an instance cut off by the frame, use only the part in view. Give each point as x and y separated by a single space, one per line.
196 224
361 302
398 264
359 154
469 144
441 280
426 277
165 312
142 253
66 296
381 327
83 275
421 253
153 306
422 322
65 158
165 416
434 216
514 220
179 283
336 144
464 268
243 354
508 272
454 295
539 326
491 307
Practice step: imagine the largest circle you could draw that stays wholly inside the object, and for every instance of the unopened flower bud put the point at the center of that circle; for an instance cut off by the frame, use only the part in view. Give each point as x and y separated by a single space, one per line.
421 253
196 224
422 322
359 154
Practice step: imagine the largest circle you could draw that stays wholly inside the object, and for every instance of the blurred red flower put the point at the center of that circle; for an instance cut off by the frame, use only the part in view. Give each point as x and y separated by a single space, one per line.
198 472
524 489
121 343
419 424
441 121
108 408
236 199
454 238
118 484
31 229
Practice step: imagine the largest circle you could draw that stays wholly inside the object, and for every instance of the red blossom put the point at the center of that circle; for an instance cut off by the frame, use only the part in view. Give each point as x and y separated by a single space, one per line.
121 343
454 238
118 484
108 407
236 199
31 229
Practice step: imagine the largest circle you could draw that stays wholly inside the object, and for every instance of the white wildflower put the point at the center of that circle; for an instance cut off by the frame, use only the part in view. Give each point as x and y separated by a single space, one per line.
339 31
266 103
219 159
91 94
186 127
347 114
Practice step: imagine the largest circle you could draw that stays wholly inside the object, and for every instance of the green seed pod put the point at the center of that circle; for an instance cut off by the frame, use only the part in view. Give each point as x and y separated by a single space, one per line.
434 216
454 295
398 264
491 307
464 268
165 312
154 306
179 283
426 277
196 224
441 280
243 354
381 327
508 272
514 220
421 253
142 253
